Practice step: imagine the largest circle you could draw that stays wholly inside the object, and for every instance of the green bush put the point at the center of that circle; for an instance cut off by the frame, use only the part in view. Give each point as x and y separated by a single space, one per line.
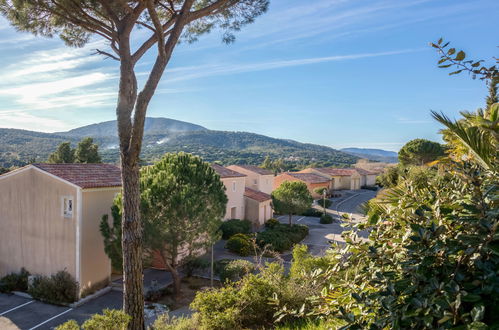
345 216
323 202
235 270
312 213
282 237
110 319
59 288
15 282
240 244
164 322
194 264
235 226
271 223
373 188
326 219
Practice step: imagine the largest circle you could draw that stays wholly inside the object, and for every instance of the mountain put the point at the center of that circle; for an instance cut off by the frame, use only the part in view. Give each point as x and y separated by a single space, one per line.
151 126
18 147
373 154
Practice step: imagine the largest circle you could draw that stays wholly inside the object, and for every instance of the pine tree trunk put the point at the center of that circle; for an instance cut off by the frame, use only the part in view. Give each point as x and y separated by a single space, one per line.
133 296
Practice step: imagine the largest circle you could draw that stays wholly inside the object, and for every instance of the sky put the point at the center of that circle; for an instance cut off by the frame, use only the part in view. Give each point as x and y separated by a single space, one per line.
356 73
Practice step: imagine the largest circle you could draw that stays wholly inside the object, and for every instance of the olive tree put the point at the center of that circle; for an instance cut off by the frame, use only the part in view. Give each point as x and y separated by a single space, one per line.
166 21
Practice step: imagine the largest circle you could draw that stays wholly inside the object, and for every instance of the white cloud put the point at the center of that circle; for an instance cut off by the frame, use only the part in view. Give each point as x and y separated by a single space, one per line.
24 120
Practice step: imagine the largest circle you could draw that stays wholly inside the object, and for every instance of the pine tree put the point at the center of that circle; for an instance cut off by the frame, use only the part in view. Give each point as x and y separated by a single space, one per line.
63 155
87 152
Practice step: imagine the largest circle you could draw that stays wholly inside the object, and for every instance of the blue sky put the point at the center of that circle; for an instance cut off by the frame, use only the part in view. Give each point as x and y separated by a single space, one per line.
332 72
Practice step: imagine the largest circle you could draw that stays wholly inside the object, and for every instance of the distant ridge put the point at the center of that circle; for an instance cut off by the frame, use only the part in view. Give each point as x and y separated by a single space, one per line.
161 135
373 154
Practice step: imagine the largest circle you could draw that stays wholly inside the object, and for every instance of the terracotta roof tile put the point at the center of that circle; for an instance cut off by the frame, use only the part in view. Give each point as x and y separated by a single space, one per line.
256 195
255 169
85 175
224 172
337 171
308 177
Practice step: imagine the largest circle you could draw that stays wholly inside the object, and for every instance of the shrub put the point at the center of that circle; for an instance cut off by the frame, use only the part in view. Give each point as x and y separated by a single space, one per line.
271 223
312 213
323 202
194 264
345 216
110 319
235 270
282 237
326 219
217 308
15 281
235 226
164 322
240 244
60 288
373 188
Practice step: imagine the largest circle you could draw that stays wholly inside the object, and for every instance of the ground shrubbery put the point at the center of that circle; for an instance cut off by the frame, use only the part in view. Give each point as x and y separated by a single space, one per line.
325 202
271 223
15 282
59 288
282 237
194 264
110 319
326 219
235 226
241 244
234 270
311 212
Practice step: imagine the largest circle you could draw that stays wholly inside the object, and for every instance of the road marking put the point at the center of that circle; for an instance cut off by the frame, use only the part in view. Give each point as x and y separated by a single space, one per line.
301 219
343 201
13 309
50 319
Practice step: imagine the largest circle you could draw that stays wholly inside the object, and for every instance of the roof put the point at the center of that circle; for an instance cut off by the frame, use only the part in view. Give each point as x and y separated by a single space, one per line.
255 169
343 171
85 175
308 177
224 172
362 171
256 195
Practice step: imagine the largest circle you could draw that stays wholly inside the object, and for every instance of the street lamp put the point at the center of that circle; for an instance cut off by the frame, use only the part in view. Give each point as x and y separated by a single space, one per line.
324 200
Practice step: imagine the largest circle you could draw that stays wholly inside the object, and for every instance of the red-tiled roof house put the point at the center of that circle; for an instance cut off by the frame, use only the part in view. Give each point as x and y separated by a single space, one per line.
49 220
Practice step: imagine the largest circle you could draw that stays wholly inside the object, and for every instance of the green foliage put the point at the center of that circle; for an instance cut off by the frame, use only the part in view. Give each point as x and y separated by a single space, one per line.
291 197
420 152
326 219
235 270
112 235
87 152
60 288
389 178
235 226
110 319
311 212
271 223
194 264
183 201
281 237
324 202
63 154
304 263
164 322
240 244
15 282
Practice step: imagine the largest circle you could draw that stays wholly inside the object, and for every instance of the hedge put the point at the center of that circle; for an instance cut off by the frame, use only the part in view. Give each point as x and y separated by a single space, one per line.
326 218
282 237
240 244
235 226
322 201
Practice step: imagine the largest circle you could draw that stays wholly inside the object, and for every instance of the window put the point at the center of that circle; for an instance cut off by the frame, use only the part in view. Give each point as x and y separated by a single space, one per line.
234 186
67 207
255 181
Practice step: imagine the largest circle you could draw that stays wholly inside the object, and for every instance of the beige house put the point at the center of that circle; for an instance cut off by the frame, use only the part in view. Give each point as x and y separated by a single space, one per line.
258 207
257 178
49 220
234 183
345 178
312 180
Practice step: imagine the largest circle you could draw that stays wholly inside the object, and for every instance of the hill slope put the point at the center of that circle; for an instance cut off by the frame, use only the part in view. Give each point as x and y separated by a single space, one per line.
17 147
373 154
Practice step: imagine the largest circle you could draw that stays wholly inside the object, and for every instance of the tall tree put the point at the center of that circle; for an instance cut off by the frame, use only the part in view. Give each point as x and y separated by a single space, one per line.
87 152
76 21
420 152
183 202
111 234
492 97
64 154
292 197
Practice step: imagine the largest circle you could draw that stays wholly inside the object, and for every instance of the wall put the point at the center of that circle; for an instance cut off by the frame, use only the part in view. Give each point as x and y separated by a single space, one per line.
279 179
33 231
371 180
95 265
256 213
235 198
263 183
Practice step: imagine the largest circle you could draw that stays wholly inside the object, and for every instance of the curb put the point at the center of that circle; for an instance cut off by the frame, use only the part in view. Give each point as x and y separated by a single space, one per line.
90 297
22 294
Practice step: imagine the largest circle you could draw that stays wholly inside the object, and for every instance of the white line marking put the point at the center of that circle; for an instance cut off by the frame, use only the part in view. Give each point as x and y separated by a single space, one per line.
50 319
281 217
343 201
301 219
13 309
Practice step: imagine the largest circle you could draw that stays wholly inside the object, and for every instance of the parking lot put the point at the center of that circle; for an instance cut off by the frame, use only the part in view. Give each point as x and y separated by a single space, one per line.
23 313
